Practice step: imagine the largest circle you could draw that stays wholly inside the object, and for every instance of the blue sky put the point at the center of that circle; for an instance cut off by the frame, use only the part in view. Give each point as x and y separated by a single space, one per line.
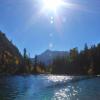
27 28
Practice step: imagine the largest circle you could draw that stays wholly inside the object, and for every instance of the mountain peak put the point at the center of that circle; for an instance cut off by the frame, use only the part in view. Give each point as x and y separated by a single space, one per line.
48 56
48 50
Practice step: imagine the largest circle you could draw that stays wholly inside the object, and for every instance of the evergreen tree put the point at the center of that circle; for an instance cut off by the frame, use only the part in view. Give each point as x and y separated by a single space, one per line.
35 64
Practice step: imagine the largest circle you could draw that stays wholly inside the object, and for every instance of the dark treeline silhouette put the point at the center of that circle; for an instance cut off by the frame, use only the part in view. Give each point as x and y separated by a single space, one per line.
85 62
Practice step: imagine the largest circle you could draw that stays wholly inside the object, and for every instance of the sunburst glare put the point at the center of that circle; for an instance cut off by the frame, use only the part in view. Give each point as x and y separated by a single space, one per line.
52 5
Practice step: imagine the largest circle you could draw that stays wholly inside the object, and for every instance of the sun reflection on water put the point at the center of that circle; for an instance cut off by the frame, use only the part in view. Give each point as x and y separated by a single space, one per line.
65 91
61 94
59 78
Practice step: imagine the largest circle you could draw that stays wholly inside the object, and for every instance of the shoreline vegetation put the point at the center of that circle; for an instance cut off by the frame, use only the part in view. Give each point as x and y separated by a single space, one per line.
85 62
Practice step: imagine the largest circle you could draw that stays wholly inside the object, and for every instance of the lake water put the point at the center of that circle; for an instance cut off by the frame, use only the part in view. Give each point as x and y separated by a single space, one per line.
42 87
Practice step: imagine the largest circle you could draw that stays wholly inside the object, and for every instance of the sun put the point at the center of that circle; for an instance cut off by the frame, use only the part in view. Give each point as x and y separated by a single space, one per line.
52 5
55 10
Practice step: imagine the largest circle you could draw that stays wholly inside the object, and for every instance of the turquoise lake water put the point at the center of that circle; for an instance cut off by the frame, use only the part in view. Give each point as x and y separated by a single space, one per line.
49 87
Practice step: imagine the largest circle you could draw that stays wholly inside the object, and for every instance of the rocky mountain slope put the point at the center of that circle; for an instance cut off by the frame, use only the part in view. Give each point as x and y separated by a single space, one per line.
48 56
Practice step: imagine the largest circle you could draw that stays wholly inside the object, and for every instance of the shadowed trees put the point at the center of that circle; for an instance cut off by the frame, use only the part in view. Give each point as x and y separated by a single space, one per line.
85 62
39 67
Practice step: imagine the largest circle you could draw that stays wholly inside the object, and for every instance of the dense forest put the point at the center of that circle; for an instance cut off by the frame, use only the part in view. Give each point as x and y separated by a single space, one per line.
85 62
